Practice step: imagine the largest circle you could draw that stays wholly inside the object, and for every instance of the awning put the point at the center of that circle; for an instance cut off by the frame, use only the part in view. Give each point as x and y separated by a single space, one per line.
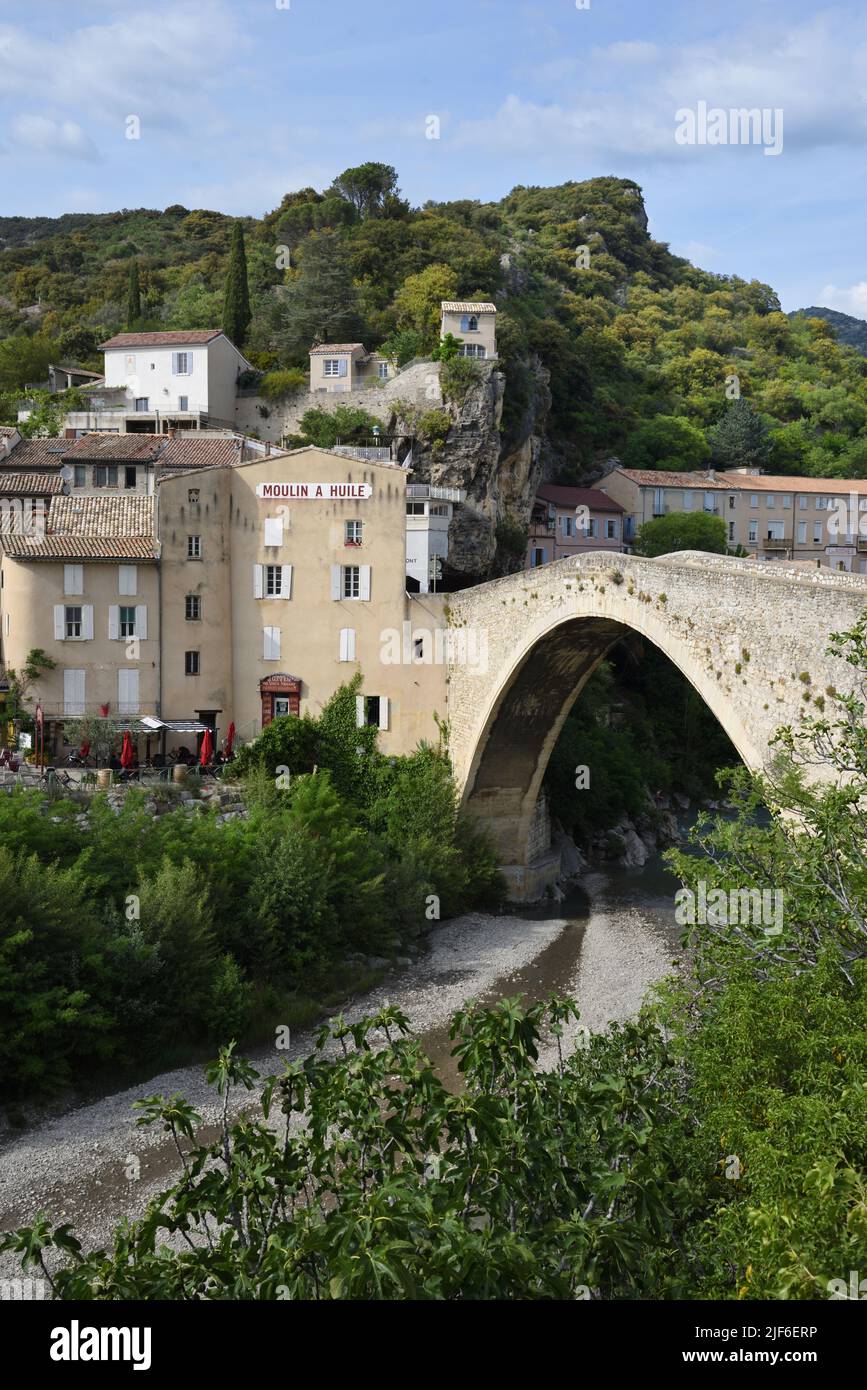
173 726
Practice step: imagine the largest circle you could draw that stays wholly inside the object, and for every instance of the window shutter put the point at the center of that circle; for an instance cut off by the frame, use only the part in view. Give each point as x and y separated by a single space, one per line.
73 692
365 581
258 581
73 579
273 530
359 711
87 622
286 581
141 621
347 644
127 579
175 356
383 711
127 691
59 623
113 623
335 581
342 367
271 643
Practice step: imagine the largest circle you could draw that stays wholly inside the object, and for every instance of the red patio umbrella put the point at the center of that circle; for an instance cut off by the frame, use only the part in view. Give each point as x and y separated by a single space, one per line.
127 756
84 750
207 749
230 739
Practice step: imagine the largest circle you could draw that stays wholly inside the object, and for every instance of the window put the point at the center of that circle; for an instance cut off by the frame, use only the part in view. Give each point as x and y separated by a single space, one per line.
733 501
472 350
769 500
821 504
127 691
183 403
566 525
347 644
802 532
72 621
382 370
802 503
539 557
774 531
105 475
731 530
273 530
126 622
438 509
611 530
193 496
271 644
787 501
127 580
80 475
687 500
591 529
817 532
353 532
192 608
331 366
473 324
73 579
273 581
754 499
350 582
73 692
415 508
658 501
182 363
141 403
191 663
709 502
281 706
129 477
194 547
754 531
371 710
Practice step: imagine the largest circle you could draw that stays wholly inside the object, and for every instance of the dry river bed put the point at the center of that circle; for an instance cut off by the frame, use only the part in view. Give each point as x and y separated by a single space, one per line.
605 952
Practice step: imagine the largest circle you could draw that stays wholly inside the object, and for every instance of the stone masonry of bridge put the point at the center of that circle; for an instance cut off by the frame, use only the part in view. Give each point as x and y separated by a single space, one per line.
750 637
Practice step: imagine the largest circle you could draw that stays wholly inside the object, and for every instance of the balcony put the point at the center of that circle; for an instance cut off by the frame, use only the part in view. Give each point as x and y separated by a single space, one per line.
775 545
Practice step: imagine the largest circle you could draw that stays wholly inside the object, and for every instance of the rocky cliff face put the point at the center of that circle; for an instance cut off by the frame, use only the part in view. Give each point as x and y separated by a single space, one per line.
499 471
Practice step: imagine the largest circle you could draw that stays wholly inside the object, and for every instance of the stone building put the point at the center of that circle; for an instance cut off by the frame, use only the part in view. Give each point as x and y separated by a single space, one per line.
572 521
474 323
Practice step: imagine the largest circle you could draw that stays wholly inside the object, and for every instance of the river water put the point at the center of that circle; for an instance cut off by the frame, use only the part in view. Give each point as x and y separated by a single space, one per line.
605 945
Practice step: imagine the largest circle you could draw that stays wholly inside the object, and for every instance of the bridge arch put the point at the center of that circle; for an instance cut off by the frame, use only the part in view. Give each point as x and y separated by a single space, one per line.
745 638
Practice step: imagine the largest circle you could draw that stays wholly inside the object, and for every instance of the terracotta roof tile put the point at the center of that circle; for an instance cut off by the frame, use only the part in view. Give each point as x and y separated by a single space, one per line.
577 497
178 338
35 453
142 448
102 516
30 484
80 547
188 451
468 306
323 349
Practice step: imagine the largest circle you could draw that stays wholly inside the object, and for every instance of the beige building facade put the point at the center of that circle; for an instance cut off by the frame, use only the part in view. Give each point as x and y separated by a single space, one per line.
337 367
474 323
818 521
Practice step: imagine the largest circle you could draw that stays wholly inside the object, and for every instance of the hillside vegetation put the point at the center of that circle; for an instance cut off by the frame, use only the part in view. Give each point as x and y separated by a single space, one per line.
628 331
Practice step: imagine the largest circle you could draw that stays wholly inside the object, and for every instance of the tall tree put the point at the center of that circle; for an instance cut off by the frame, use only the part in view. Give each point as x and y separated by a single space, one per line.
133 300
740 439
370 188
236 308
320 304
682 531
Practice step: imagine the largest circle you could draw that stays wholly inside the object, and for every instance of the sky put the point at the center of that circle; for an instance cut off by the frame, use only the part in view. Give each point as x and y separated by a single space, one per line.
236 102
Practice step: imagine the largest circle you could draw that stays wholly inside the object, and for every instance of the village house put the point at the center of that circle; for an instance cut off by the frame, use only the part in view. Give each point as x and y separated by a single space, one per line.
473 323
347 367
819 521
572 521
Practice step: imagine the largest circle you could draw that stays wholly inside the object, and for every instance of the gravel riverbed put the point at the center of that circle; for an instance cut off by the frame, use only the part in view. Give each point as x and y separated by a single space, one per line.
92 1165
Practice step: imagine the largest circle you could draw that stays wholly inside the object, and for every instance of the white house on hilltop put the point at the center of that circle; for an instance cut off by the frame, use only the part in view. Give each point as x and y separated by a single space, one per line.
474 323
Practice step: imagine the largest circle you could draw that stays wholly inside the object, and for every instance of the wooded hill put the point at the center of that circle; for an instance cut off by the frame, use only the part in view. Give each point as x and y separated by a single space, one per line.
639 343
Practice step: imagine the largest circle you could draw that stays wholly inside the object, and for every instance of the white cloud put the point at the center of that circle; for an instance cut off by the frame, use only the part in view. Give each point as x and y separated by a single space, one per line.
42 135
849 301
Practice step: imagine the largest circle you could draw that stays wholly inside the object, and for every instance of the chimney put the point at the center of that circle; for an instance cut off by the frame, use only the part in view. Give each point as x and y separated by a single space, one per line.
267 447
172 431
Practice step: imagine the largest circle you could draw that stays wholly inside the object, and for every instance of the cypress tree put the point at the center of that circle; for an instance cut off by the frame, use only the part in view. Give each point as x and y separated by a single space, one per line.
236 307
133 302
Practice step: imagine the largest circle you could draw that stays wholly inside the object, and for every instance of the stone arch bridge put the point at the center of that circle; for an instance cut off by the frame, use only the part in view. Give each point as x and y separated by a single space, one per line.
751 637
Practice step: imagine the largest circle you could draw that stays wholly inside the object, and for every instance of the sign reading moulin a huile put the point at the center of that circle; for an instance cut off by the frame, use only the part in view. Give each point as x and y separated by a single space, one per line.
315 492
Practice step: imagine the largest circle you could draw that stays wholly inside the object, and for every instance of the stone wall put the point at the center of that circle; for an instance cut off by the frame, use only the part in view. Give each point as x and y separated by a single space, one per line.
417 384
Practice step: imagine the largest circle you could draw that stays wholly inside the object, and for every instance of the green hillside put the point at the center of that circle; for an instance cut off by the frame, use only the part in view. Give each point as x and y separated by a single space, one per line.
639 343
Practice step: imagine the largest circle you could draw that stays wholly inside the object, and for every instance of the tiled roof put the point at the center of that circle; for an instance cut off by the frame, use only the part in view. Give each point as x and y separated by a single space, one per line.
744 482
468 306
80 547
29 484
179 338
102 516
140 448
577 497
651 477
35 453
322 349
6 430
188 451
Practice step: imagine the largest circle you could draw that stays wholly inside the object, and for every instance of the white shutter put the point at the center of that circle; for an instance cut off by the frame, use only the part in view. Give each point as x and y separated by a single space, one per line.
359 711
59 623
273 530
127 579
141 621
335 581
73 579
383 711
347 644
127 691
73 692
342 367
271 643
113 622
87 622
286 581
365 581
258 581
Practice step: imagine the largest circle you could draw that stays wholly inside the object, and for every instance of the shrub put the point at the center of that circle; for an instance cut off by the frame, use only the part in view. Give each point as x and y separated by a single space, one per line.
285 381
457 376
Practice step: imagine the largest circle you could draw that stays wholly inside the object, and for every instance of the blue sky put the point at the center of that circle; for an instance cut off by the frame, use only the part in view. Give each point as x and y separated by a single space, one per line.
242 101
